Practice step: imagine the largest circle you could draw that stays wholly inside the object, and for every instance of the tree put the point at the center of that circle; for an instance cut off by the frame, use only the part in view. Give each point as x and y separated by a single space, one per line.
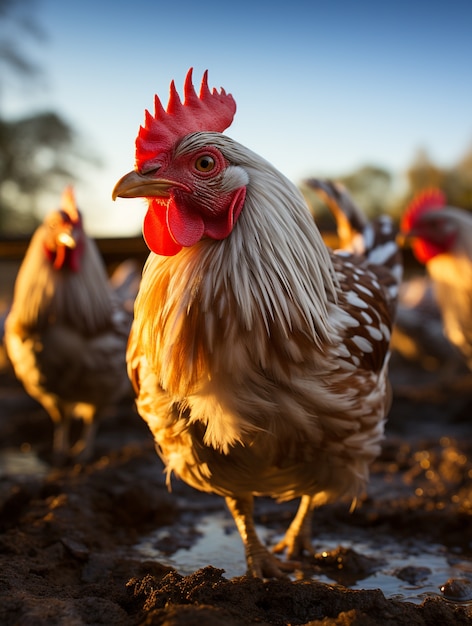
15 21
33 155
36 151
370 187
422 174
458 186
455 182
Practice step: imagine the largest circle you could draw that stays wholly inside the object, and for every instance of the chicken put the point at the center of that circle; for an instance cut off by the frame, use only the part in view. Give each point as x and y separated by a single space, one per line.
66 333
441 238
259 358
418 336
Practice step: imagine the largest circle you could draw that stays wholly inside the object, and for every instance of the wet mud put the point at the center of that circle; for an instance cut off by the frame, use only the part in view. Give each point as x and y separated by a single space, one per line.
106 543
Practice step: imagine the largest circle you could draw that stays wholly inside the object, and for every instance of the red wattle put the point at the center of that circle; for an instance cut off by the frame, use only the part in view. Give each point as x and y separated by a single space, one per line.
156 232
185 227
425 250
168 227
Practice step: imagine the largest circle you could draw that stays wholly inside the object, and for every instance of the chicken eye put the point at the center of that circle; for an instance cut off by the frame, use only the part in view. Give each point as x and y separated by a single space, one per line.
205 163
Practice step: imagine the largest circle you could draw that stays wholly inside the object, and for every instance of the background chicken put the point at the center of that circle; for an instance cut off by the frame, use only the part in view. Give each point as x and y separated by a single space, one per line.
258 356
441 238
66 333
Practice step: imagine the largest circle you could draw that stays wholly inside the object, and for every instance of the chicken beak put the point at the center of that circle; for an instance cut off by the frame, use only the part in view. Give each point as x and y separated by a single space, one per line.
136 185
406 240
402 240
66 240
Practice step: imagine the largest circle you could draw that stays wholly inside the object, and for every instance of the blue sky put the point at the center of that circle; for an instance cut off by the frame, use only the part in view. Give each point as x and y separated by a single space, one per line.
321 87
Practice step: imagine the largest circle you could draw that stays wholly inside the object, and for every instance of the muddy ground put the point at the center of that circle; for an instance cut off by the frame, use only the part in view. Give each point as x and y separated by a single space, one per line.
73 540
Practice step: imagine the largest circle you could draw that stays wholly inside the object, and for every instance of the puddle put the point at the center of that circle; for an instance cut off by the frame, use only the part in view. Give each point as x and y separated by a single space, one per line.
434 562
20 462
217 542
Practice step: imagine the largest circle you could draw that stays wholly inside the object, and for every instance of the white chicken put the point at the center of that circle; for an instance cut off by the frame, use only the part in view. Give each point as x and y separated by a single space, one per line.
259 357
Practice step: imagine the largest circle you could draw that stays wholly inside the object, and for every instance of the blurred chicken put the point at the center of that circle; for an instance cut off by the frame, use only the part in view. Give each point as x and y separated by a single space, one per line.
66 332
258 356
441 238
418 333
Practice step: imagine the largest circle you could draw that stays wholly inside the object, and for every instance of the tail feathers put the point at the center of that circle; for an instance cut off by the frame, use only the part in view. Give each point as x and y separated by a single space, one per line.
376 240
350 221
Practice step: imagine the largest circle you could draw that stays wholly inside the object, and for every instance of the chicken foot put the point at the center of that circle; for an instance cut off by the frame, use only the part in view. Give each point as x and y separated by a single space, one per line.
83 448
297 539
81 451
60 446
260 562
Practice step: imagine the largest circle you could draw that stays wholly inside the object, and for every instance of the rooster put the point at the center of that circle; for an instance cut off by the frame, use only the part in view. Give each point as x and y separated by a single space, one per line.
441 239
66 334
259 358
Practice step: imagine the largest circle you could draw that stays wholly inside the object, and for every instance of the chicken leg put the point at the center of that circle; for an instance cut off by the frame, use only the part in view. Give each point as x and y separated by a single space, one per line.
297 539
261 563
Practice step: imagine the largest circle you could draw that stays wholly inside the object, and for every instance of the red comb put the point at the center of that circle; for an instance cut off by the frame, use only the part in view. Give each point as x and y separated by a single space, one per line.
209 111
427 200
68 204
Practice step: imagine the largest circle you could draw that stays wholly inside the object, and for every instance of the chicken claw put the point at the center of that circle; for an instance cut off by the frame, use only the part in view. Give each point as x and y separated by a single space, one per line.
261 563
297 539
